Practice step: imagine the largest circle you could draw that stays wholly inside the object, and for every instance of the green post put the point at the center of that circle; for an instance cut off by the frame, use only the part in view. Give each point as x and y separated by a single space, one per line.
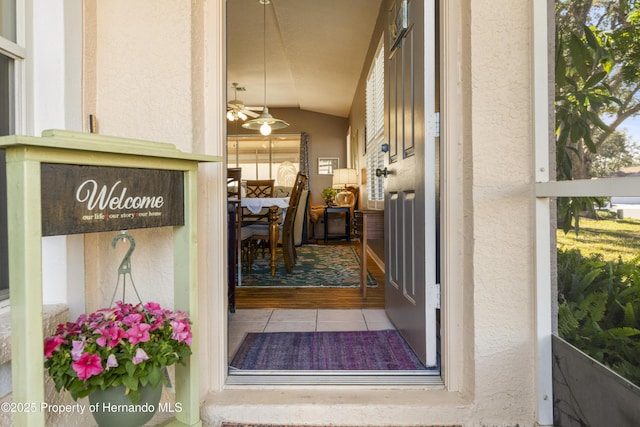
25 278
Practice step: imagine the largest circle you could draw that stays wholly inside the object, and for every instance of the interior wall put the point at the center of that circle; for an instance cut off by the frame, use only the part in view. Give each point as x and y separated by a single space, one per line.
327 136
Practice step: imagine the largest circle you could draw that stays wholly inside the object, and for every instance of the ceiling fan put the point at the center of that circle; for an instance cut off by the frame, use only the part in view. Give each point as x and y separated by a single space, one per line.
236 108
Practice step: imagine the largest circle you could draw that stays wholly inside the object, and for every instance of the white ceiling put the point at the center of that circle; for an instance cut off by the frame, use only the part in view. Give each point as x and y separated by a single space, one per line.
315 51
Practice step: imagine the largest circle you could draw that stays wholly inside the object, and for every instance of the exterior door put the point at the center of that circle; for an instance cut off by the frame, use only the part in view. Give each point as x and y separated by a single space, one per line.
411 291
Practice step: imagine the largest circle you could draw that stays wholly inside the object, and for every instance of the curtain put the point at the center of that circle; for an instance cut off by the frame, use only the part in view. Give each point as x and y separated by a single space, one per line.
304 157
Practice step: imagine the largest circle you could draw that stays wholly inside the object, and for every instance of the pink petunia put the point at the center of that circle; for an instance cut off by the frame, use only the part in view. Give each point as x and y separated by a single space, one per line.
111 335
181 331
140 356
138 332
51 344
132 319
87 366
154 308
77 349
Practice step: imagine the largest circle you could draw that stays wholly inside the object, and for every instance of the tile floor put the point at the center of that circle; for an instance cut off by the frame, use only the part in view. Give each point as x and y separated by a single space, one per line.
303 320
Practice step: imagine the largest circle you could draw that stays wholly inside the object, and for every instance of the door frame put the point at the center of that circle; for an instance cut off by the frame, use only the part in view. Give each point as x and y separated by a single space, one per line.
455 307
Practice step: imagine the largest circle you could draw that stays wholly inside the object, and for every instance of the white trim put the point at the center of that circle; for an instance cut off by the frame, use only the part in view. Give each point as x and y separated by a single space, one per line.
602 187
452 238
543 295
212 215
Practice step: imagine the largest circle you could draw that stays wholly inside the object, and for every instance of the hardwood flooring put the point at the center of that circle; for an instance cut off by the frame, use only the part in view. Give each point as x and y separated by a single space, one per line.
315 297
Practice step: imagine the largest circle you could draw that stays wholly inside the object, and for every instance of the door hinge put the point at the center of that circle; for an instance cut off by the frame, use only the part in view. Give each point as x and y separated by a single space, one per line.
436 124
438 295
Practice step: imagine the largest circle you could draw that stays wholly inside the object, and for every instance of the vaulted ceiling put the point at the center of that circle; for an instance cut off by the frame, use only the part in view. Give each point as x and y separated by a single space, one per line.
315 51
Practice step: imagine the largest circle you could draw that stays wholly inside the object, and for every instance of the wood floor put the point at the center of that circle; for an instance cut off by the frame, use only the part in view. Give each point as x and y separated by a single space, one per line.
315 297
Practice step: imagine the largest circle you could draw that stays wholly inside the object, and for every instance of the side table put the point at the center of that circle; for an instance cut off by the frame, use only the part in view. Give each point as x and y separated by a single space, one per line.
347 226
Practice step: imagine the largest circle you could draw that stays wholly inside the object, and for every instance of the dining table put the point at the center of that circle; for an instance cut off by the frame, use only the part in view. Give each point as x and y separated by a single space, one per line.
275 205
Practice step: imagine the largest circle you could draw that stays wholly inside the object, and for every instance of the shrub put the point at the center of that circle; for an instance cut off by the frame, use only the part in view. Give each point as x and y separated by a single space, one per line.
599 309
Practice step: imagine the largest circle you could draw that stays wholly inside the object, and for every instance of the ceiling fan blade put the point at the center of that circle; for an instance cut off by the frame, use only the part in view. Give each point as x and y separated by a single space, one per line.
250 113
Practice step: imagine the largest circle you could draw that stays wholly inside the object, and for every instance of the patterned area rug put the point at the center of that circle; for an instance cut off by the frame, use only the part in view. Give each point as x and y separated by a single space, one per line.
333 351
317 265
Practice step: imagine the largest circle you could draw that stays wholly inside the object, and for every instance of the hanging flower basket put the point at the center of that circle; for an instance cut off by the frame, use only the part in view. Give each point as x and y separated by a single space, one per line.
126 345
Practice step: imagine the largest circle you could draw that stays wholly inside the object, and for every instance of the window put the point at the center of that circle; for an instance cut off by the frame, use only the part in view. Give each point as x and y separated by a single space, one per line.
375 127
266 157
10 59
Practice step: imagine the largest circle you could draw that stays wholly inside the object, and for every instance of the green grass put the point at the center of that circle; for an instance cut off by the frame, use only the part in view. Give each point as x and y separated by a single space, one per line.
612 238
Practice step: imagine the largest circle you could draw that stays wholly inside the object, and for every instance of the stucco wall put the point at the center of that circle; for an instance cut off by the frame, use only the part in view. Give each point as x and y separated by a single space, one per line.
502 202
143 78
139 85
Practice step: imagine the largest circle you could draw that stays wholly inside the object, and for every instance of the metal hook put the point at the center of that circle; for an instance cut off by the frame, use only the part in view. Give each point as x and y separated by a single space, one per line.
125 264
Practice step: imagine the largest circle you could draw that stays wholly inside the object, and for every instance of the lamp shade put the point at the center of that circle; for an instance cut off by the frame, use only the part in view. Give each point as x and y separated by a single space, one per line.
345 178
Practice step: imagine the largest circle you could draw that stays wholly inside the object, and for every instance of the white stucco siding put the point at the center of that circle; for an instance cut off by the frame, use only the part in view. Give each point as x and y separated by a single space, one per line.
502 210
143 80
141 52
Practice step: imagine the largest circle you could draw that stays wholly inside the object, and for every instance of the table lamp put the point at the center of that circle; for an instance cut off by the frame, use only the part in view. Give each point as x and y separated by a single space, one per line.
343 178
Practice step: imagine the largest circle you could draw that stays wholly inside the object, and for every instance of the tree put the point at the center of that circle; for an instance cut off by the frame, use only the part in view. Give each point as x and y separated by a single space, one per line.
616 23
581 66
613 155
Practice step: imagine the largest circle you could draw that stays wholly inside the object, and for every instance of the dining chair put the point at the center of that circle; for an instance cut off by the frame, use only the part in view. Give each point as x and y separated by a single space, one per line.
234 183
260 231
258 188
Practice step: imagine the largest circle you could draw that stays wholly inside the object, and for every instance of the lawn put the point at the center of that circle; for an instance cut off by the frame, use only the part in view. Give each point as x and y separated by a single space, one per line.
612 238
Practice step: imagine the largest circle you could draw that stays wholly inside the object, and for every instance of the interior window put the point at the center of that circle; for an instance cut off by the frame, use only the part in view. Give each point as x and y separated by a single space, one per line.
266 157
375 128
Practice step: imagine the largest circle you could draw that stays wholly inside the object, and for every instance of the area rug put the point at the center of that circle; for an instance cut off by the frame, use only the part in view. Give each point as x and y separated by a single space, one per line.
334 351
316 265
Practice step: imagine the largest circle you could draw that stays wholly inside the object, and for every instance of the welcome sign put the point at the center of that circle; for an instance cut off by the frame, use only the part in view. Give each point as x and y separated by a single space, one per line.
86 199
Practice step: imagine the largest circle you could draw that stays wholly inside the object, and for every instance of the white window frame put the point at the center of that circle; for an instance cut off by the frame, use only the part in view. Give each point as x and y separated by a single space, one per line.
16 52
375 129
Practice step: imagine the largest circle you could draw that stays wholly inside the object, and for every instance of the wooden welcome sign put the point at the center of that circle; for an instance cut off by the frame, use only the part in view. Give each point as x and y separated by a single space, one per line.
86 199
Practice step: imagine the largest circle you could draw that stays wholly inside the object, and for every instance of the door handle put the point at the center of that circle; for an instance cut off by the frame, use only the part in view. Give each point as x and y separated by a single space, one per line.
382 172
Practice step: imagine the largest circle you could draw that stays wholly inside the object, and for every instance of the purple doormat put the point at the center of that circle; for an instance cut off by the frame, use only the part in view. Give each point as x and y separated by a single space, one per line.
318 351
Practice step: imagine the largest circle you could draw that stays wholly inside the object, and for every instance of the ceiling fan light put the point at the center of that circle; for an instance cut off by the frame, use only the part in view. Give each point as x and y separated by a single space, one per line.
230 116
242 115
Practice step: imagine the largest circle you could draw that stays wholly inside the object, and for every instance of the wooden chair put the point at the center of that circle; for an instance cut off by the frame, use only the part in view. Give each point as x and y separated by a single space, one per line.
258 188
260 231
234 183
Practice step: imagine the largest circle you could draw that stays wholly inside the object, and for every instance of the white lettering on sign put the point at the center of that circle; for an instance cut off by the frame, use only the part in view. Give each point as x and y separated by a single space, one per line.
106 197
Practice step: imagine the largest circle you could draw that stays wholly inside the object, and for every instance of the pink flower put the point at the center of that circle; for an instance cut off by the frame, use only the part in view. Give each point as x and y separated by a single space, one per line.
111 361
138 332
154 308
140 356
111 335
181 331
87 366
132 319
76 351
51 344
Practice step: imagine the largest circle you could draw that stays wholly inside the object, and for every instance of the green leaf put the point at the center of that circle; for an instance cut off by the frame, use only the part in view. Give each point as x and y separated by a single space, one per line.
130 382
155 376
130 367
